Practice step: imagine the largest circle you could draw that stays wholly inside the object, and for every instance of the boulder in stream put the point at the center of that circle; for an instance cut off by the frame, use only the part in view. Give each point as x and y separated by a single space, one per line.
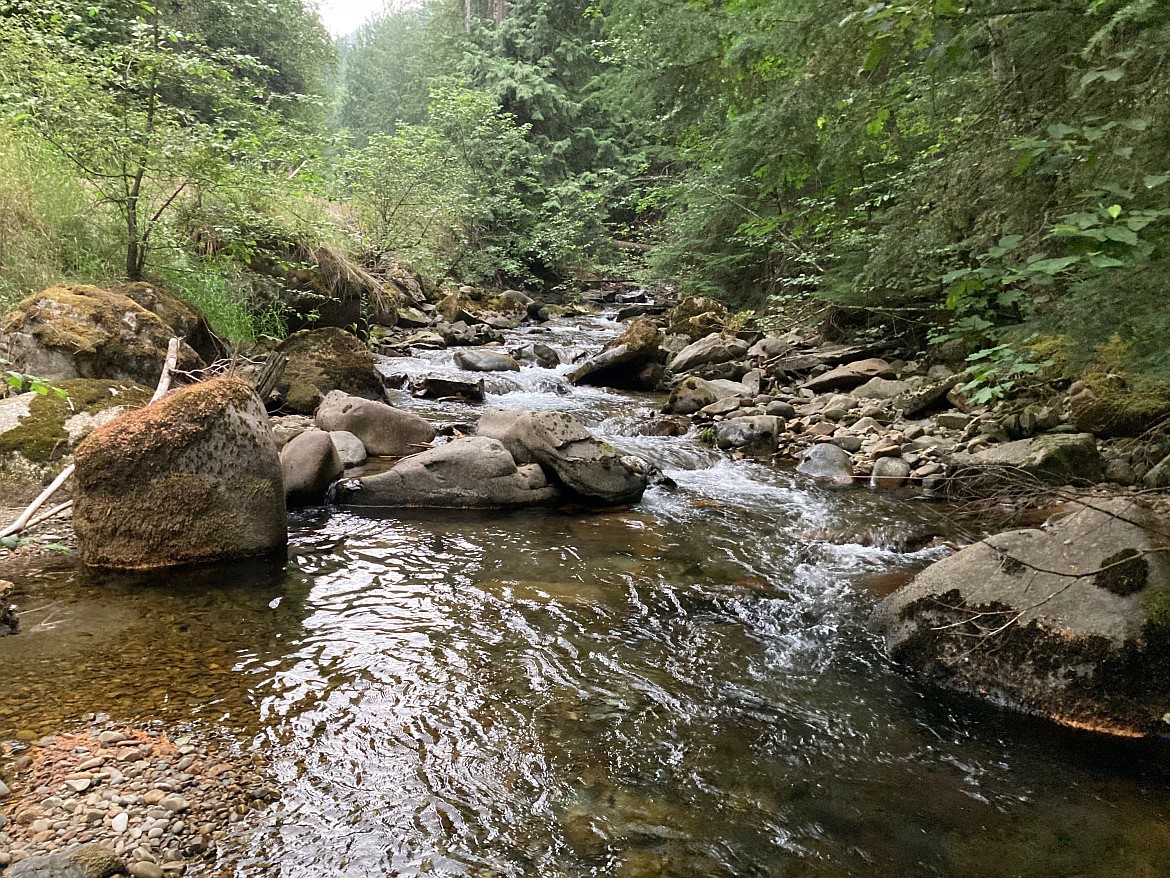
569 454
383 429
324 360
472 472
826 462
629 362
194 478
310 464
1071 621
485 361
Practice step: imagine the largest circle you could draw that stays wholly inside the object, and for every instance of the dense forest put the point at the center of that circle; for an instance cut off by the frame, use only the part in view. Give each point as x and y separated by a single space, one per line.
987 173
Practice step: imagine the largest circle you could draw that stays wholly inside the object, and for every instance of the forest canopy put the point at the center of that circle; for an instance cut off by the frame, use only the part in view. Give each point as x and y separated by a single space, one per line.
976 170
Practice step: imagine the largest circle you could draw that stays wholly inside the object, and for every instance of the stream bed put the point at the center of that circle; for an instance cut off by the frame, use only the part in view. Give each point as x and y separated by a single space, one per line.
687 688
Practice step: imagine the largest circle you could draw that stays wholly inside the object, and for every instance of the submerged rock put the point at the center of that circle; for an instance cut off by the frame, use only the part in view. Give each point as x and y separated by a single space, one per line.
383 429
87 861
324 360
310 464
191 479
87 332
569 454
1071 621
469 473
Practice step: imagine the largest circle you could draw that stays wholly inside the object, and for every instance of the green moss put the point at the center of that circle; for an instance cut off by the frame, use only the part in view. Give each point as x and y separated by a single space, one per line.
1156 603
41 436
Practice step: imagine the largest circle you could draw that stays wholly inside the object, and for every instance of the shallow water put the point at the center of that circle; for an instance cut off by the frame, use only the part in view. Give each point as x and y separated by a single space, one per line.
687 688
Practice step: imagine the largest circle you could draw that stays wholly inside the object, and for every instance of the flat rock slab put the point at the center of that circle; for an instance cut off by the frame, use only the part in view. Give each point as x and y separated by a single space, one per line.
851 375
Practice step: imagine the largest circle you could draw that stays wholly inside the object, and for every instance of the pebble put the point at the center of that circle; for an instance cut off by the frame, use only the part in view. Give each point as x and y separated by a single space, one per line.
129 799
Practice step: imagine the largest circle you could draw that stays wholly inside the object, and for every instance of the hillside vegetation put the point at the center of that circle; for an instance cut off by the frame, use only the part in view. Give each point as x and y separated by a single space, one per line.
986 173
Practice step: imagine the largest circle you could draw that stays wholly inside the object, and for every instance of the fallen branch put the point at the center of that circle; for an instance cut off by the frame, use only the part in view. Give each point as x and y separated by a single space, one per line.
26 516
172 361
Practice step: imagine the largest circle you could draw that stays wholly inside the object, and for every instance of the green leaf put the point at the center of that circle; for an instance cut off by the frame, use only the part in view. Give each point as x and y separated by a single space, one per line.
1114 210
1100 260
1054 266
1122 235
1154 181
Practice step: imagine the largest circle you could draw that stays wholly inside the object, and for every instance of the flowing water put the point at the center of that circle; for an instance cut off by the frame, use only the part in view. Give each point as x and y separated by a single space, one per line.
687 688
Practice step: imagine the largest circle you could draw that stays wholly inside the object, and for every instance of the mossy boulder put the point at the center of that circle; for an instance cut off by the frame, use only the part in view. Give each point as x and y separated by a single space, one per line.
1068 621
1110 411
38 433
87 332
185 320
43 428
323 360
632 361
696 317
194 478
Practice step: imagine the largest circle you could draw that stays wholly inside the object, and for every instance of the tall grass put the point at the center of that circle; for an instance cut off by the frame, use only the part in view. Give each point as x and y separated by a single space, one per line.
52 229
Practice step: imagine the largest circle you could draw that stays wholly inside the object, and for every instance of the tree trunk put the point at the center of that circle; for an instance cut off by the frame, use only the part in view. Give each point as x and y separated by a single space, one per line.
499 10
467 15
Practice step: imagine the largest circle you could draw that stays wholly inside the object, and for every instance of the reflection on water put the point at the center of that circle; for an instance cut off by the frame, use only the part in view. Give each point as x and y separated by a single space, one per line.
684 689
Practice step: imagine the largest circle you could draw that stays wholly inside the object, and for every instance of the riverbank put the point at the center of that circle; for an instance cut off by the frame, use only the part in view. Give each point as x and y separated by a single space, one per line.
162 803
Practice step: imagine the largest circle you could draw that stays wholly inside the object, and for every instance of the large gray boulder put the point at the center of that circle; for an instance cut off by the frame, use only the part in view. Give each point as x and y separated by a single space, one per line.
383 429
1069 621
631 361
569 454
310 464
193 478
485 361
469 473
714 348
827 463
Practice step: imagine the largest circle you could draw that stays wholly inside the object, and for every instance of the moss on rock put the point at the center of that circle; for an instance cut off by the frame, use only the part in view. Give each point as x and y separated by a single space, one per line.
43 436
87 332
322 360
192 479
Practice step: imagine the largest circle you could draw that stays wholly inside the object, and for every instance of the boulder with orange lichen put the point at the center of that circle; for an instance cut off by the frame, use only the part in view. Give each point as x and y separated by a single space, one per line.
192 479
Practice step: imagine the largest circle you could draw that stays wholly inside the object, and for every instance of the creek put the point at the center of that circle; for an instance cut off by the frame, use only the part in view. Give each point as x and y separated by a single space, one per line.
687 688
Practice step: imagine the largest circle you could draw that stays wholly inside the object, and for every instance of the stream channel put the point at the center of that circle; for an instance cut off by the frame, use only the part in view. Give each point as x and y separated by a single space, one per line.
687 688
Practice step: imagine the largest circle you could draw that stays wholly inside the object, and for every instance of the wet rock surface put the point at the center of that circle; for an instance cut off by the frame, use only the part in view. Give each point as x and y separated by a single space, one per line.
1068 621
